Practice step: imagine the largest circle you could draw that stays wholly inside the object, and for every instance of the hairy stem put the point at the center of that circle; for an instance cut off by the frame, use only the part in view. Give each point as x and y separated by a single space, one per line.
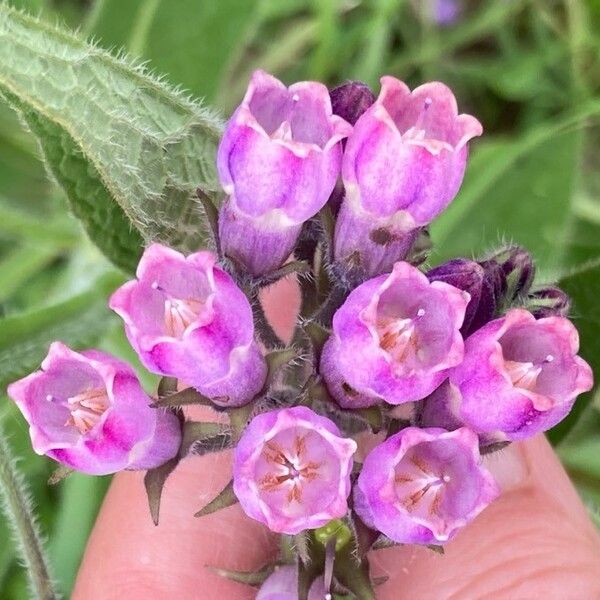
265 332
16 504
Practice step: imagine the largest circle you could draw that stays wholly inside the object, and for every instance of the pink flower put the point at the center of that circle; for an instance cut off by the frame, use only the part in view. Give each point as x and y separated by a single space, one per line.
278 162
394 339
421 486
292 469
88 411
186 318
520 376
403 165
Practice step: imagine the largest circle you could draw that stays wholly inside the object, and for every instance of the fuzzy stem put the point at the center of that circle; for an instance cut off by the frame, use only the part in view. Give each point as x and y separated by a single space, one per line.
16 504
266 333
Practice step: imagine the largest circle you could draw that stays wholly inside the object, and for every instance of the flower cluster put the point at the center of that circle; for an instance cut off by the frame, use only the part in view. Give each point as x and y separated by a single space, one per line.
339 188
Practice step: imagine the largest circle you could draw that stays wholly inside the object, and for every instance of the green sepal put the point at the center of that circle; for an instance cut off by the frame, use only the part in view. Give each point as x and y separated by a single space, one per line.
225 498
211 212
203 438
154 481
60 473
298 267
318 335
353 575
183 398
252 578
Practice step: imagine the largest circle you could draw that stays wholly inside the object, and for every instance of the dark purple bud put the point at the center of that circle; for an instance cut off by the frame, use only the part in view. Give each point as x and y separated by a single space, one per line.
350 100
518 269
549 302
481 282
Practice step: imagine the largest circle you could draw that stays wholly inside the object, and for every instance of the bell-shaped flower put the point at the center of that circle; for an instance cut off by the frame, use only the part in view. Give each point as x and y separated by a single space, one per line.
292 470
394 339
520 375
421 486
402 166
278 162
89 412
186 318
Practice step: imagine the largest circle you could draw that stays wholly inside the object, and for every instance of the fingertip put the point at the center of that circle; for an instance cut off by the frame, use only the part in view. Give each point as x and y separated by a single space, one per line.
127 554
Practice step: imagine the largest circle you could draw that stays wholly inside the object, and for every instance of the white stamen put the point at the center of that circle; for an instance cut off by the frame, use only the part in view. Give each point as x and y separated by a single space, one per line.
420 312
155 285
428 103
446 478
49 397
295 97
549 358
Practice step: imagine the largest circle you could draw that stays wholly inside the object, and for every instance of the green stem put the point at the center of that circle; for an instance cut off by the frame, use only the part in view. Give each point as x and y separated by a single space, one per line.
17 507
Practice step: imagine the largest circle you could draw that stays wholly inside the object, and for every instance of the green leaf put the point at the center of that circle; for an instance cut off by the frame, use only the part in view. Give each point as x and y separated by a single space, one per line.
79 322
511 184
22 263
583 286
188 40
80 499
128 150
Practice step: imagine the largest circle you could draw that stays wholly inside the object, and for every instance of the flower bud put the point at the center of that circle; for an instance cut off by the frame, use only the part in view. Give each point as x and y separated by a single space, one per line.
186 318
480 283
520 376
421 486
549 302
518 271
403 164
394 339
89 412
350 100
292 470
278 162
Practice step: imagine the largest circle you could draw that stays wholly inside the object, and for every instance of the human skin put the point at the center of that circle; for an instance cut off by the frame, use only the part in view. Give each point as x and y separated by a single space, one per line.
535 541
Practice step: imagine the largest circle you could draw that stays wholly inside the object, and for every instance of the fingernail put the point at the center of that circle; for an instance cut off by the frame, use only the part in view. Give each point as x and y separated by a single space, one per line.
508 466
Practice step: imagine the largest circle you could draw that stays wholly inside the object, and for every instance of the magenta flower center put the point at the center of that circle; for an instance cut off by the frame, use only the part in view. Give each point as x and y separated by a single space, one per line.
291 469
86 408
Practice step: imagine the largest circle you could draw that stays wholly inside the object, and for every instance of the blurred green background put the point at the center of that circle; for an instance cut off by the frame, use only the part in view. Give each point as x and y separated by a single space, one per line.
530 71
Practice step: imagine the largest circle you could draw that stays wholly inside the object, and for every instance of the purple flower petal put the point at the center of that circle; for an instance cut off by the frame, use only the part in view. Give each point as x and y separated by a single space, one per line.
186 318
292 470
88 411
395 338
520 375
403 164
421 486
278 161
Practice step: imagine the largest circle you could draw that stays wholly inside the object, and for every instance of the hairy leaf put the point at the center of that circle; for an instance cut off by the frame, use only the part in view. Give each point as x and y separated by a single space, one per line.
127 149
583 286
